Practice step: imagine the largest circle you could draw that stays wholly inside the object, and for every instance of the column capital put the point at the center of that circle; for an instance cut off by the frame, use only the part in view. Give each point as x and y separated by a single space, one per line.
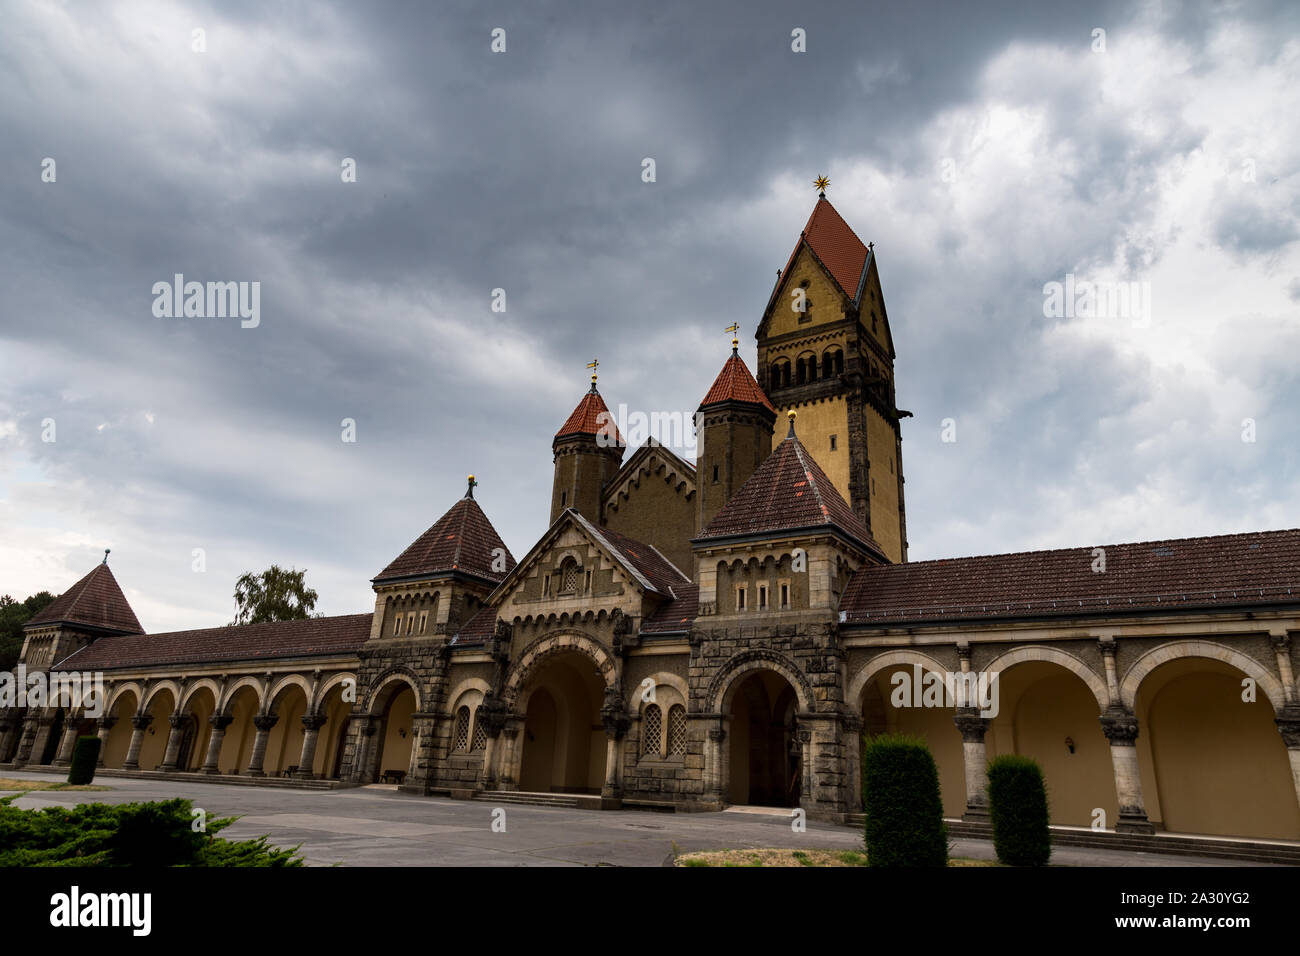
717 734
313 721
1288 725
1120 727
971 725
852 723
177 720
1281 642
106 722
141 721
963 651
1108 646
264 722
220 721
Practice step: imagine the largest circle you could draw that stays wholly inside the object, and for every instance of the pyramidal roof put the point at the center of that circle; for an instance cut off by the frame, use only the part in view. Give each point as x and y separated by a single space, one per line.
461 540
735 384
788 492
586 419
94 601
837 246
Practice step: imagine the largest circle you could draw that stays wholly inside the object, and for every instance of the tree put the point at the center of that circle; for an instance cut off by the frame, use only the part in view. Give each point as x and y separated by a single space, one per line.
273 595
13 615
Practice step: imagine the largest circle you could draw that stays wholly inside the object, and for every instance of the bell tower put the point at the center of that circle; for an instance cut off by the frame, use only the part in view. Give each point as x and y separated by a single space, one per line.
588 451
825 350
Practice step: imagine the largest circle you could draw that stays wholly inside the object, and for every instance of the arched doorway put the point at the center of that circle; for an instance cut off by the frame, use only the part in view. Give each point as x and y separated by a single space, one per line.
284 745
237 745
119 736
153 748
1212 762
199 706
563 740
396 704
765 757
333 733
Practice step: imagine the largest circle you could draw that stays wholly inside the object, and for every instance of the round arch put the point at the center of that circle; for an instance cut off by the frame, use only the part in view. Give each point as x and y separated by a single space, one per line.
1051 655
233 690
732 674
858 684
285 681
116 694
539 651
382 690
1148 662
192 690
659 677
328 685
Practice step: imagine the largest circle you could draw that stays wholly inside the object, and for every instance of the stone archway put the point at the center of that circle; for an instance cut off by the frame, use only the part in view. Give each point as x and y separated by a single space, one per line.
563 743
765 753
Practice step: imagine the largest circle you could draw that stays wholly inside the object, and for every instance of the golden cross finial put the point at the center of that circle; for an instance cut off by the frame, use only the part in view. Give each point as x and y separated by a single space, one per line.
593 365
821 182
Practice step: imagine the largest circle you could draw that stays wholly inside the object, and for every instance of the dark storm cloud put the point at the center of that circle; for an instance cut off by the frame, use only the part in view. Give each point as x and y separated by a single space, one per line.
521 171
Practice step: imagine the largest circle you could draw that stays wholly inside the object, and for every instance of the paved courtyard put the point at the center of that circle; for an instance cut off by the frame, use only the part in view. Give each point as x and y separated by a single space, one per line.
374 826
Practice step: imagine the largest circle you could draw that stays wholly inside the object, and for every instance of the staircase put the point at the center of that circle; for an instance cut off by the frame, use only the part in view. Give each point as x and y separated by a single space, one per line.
570 801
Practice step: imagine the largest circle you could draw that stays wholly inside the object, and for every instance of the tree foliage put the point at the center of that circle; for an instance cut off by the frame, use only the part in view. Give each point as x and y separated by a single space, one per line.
273 595
13 615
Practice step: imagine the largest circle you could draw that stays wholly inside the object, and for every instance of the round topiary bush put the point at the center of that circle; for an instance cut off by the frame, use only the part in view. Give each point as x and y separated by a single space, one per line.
1018 808
85 754
904 808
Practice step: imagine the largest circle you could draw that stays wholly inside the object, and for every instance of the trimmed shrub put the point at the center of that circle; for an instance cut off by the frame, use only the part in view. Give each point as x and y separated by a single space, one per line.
127 834
85 754
904 808
1018 808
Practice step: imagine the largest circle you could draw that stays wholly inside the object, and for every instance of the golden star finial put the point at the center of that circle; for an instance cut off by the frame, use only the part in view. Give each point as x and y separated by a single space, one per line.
821 182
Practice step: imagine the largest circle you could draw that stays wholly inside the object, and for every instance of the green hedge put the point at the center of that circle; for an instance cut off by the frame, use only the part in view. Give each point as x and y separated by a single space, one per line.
85 754
126 834
1018 808
904 808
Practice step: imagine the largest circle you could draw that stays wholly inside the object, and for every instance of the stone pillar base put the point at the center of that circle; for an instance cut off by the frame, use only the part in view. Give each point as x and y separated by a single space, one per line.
976 815
1133 823
255 773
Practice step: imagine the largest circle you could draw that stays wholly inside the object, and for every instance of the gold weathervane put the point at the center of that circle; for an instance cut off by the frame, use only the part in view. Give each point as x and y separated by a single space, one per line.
821 182
733 328
593 365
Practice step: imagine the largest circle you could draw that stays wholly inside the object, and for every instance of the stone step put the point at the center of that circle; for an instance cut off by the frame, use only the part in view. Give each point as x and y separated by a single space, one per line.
572 801
1260 851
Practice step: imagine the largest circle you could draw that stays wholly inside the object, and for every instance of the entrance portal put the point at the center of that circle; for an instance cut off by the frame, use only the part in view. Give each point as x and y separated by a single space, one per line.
765 758
563 740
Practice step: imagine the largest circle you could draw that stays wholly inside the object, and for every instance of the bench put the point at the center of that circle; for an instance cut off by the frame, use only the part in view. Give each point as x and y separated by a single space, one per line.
392 776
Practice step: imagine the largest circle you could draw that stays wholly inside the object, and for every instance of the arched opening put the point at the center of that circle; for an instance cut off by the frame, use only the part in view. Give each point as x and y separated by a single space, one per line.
1211 762
1048 713
765 758
284 745
154 747
396 732
194 746
119 737
563 739
333 734
237 745
889 705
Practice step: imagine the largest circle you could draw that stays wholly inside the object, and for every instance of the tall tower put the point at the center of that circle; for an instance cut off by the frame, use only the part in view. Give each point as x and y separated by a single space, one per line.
825 350
735 421
588 451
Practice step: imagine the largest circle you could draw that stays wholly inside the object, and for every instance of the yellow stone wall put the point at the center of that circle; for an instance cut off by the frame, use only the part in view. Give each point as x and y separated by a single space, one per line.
882 448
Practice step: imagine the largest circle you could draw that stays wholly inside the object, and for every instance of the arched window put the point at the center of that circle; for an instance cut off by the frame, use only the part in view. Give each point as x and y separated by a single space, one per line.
569 576
479 740
839 362
828 365
651 730
812 368
676 731
801 374
785 374
460 739
776 375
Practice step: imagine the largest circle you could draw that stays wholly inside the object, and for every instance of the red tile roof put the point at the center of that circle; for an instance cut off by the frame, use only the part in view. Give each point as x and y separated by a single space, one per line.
586 419
478 628
315 636
835 244
674 617
735 384
461 540
94 601
645 559
789 491
1227 570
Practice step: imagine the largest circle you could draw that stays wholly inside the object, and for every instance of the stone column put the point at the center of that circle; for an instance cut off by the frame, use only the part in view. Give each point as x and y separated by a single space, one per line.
713 774
1108 649
312 723
1282 651
852 735
365 731
511 734
614 717
25 741
489 762
105 728
212 760
44 726
1121 729
263 723
975 758
141 723
174 737
806 798
64 757
1288 724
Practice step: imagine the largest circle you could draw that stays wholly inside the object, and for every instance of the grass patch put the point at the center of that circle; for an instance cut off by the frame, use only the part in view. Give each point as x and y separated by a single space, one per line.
783 857
11 784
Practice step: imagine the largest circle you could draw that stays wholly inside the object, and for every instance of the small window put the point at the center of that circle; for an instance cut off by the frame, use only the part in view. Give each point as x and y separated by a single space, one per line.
424 620
677 731
715 474
564 499
568 576
651 730
397 625
834 442
762 597
460 739
587 584
410 623
479 739
891 466
740 599
785 596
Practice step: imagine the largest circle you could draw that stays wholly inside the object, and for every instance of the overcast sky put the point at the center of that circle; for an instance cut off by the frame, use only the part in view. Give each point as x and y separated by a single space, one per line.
987 150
